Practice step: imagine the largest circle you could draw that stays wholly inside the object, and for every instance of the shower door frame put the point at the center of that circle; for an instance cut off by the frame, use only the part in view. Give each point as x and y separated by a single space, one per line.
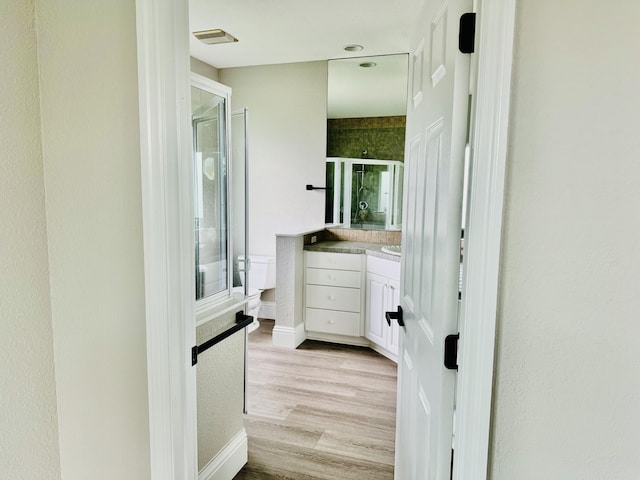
347 179
224 92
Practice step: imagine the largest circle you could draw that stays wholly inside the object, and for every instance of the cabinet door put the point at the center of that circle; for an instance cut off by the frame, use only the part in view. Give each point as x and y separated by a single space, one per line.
375 308
393 300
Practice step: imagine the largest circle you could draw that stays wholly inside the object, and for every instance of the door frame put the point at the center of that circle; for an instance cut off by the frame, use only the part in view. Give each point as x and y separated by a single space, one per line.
163 80
491 87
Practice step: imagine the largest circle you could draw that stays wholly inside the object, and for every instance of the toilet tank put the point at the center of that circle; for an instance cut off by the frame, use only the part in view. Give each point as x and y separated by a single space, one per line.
262 272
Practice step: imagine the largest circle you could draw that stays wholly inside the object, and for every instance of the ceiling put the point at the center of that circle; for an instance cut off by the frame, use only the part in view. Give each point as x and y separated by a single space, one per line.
287 31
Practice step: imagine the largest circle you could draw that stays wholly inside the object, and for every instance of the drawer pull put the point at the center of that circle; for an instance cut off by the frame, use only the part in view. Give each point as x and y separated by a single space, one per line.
331 297
332 322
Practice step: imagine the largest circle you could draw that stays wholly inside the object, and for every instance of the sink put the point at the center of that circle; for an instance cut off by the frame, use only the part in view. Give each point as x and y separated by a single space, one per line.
392 250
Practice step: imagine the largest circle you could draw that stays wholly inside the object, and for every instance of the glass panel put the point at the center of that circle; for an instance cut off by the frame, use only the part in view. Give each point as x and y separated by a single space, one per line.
239 162
211 253
329 193
367 193
342 179
370 191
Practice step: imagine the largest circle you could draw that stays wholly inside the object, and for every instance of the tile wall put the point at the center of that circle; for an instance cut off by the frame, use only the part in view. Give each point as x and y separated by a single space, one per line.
381 137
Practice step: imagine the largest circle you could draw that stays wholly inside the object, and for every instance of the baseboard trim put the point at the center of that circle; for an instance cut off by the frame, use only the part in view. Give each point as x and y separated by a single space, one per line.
229 461
342 339
268 310
383 351
288 337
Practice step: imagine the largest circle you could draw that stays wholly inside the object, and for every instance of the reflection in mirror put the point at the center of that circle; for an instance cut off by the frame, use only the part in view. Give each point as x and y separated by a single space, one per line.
210 166
366 111
365 193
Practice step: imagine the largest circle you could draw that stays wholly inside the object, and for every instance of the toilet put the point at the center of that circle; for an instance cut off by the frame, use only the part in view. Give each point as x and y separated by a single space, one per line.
262 276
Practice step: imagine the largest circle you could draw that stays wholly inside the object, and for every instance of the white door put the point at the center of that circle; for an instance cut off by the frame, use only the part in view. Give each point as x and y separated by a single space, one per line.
436 135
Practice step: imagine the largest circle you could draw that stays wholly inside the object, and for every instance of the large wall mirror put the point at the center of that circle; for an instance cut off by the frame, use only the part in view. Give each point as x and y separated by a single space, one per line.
366 112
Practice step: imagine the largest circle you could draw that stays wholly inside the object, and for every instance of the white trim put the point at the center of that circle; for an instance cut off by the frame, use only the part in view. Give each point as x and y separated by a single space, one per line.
229 461
384 352
288 337
490 116
360 341
268 310
165 150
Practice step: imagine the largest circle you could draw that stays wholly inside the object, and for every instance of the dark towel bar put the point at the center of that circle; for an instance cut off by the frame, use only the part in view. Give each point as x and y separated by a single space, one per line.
242 321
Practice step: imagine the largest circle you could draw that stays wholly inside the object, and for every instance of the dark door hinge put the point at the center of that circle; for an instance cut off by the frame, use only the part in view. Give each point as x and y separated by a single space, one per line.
467 34
451 351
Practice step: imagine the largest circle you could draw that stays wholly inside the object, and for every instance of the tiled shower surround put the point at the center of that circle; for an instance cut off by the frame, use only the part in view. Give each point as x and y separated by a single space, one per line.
381 137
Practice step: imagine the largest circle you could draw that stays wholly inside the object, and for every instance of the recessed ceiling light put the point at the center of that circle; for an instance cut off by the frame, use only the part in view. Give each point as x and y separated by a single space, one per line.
217 35
368 65
354 48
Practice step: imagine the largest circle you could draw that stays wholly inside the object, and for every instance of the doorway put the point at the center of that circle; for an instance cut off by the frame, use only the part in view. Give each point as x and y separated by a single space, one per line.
163 141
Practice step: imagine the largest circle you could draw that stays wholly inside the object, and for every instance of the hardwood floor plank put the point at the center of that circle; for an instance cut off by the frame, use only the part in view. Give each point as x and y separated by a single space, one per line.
362 447
320 412
315 464
276 432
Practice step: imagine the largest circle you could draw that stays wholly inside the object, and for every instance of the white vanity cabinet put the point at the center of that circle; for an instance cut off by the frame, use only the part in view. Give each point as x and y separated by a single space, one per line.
382 295
334 296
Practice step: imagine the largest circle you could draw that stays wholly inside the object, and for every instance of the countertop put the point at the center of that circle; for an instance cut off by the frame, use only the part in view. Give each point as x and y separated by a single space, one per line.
344 246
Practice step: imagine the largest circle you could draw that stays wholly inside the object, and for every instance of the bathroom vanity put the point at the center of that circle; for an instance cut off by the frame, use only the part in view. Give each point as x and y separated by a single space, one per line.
334 300
348 288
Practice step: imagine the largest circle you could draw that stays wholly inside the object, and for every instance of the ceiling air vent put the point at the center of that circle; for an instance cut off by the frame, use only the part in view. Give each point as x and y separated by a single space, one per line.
211 37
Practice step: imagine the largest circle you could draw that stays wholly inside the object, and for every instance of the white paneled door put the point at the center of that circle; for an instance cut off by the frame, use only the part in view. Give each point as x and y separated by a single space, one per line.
436 136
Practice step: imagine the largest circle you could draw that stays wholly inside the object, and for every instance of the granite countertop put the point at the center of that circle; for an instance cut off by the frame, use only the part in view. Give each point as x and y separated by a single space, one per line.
344 246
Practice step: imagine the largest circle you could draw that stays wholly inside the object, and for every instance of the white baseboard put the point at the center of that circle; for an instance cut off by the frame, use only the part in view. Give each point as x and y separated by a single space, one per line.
288 337
342 339
383 351
229 461
268 310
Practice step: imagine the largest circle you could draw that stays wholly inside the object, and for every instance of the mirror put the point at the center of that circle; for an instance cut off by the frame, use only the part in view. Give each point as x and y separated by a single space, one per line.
366 114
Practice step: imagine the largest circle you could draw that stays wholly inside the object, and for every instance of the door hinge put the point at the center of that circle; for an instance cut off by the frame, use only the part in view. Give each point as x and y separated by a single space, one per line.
467 35
451 351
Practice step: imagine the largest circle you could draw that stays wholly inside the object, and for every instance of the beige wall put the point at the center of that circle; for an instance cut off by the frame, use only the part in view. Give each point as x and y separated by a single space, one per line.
287 144
203 69
220 385
89 101
567 395
28 424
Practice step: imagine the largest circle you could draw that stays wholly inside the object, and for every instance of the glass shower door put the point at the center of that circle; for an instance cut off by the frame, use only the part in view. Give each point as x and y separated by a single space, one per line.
211 222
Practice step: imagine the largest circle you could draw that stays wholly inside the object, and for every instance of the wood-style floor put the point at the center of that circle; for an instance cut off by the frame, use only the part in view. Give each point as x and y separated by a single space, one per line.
320 412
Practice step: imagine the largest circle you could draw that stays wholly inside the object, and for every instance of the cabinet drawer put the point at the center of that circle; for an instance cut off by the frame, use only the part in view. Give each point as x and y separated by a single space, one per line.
328 321
335 278
339 261
333 298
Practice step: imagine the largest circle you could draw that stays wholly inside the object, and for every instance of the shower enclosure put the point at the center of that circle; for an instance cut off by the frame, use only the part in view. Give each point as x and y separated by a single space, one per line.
364 193
209 120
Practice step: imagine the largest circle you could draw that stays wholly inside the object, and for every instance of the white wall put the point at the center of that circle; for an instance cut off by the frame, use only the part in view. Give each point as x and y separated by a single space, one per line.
567 389
287 146
89 101
28 421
